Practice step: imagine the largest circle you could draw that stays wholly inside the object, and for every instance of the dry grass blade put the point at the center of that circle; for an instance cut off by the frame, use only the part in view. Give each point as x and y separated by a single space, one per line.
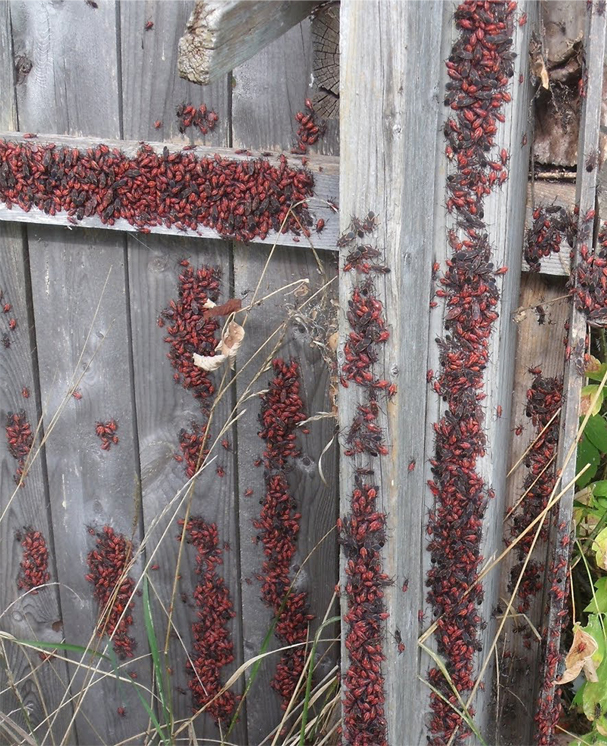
553 501
15 731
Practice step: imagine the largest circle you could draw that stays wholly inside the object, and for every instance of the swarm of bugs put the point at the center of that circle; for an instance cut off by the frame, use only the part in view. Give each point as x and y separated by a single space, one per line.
362 532
20 438
191 443
544 398
238 198
190 330
107 563
213 646
309 130
34 564
106 432
550 225
588 284
479 68
278 525
201 117
8 321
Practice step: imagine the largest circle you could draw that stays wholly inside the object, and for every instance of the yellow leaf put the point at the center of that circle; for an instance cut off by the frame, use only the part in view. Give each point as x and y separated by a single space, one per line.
599 545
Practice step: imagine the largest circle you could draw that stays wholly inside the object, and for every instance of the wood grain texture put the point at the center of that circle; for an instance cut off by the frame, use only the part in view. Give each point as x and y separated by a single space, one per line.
264 106
325 36
152 90
72 90
324 168
538 345
222 35
31 616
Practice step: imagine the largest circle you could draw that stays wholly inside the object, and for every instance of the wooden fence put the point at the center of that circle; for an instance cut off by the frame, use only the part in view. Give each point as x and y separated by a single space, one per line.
86 304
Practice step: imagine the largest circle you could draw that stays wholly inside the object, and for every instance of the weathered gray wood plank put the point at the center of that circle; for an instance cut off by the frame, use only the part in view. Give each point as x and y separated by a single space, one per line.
324 168
30 616
78 285
381 170
538 345
551 193
152 90
586 188
269 90
222 35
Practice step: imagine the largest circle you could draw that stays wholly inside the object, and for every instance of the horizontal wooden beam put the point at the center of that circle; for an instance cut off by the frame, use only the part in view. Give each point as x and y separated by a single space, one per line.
325 170
223 34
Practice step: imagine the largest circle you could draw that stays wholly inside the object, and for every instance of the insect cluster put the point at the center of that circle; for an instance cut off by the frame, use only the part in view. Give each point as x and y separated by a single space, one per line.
193 445
308 131
20 438
549 704
106 432
550 225
589 286
201 117
479 67
239 198
113 588
213 646
362 532
278 525
34 564
8 322
544 399
189 330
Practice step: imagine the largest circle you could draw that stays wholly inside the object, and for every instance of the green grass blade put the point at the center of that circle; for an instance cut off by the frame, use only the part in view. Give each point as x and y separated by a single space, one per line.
312 658
252 677
462 713
159 729
146 706
61 646
153 643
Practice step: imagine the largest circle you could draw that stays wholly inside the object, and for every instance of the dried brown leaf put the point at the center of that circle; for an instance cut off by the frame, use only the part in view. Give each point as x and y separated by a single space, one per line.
579 657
